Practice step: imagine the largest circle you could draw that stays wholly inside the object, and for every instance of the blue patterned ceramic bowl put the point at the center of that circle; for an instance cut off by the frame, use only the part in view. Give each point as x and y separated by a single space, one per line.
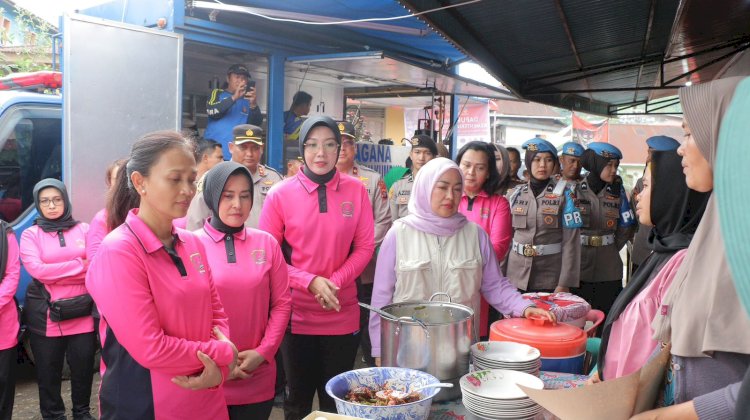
339 385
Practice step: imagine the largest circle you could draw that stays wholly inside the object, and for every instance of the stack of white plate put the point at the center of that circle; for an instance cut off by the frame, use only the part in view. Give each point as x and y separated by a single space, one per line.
493 394
506 355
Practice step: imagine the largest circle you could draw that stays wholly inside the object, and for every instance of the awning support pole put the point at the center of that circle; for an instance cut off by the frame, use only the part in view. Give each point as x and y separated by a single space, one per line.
275 112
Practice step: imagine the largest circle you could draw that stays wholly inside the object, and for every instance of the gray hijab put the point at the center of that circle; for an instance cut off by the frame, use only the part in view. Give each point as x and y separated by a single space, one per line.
214 184
701 313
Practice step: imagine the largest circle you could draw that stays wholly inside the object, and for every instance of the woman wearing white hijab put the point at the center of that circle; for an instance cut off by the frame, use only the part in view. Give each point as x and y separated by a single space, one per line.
436 249
701 315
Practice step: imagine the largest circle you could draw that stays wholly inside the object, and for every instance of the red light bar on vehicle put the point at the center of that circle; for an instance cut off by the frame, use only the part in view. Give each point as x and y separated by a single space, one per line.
38 79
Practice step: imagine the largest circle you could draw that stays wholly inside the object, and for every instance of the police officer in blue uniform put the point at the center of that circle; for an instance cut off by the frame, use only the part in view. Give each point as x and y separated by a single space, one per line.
231 106
545 253
608 223
570 161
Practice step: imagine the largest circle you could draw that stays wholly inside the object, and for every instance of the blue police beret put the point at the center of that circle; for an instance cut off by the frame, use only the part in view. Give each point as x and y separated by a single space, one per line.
605 150
572 149
539 145
662 143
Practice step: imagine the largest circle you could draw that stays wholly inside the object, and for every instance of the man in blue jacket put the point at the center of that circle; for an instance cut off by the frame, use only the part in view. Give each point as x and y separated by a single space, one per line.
233 105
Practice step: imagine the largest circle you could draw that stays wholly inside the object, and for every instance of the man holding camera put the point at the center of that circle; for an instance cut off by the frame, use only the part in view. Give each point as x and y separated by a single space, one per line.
232 106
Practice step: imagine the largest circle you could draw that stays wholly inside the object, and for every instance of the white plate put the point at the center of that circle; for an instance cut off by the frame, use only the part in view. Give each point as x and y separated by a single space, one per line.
505 351
499 384
495 404
511 414
494 407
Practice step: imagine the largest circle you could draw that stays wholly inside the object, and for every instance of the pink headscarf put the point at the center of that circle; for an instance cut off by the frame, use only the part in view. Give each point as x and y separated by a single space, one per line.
420 215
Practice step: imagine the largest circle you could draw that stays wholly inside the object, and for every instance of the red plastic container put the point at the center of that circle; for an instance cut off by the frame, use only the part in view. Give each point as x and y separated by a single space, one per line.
562 346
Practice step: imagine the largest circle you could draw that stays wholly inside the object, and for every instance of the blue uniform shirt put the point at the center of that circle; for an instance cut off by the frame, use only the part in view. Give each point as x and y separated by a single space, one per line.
224 114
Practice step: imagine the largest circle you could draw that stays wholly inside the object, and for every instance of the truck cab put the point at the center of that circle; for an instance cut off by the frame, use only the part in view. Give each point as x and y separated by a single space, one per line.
30 150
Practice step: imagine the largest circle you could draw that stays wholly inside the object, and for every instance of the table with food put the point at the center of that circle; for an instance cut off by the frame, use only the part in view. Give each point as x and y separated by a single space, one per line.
433 367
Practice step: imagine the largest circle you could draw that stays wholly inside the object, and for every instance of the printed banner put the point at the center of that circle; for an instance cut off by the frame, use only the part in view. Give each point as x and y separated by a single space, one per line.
473 124
381 157
585 132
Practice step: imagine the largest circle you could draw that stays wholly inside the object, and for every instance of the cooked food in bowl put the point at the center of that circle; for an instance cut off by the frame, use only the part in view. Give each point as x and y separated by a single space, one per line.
380 396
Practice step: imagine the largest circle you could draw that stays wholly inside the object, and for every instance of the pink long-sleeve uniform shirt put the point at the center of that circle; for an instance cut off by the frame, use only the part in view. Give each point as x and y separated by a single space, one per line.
492 213
97 231
160 310
62 271
336 244
495 288
631 341
251 279
8 287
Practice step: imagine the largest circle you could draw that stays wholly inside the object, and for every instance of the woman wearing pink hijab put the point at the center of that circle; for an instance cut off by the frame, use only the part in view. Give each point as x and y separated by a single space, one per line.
436 249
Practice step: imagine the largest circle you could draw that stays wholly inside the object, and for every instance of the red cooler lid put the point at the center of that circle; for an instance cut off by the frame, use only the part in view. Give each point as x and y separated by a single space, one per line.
551 339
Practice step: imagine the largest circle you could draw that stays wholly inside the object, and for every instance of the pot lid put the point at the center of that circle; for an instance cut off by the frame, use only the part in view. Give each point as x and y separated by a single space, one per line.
537 330
430 313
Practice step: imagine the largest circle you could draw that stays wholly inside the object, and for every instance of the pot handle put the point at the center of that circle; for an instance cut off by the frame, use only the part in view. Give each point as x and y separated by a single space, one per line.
418 321
434 295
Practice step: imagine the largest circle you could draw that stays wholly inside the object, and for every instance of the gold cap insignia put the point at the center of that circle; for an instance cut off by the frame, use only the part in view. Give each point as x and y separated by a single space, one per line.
342 128
249 133
532 147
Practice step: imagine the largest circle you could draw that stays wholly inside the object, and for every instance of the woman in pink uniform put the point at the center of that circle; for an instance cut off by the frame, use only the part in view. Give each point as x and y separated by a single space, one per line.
324 222
435 249
10 271
165 347
250 274
53 251
482 205
98 227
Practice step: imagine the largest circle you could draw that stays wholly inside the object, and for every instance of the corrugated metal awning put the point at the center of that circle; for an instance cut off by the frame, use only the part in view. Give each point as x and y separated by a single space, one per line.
598 57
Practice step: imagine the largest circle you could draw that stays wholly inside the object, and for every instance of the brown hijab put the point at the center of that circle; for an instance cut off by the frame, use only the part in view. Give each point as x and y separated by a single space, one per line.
701 313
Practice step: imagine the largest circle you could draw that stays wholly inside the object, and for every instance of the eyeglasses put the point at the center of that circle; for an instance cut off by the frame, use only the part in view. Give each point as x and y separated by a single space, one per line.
347 143
45 202
328 147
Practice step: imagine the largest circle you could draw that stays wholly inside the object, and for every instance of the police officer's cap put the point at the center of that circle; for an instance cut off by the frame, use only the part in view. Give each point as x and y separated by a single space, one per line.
605 150
572 149
347 129
247 133
662 143
240 69
538 144
423 140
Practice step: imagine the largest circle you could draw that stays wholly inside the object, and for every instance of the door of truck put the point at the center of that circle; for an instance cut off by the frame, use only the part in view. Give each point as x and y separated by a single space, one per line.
120 81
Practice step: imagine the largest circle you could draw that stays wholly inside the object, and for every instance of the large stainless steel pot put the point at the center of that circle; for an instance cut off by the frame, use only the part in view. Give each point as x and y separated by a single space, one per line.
434 337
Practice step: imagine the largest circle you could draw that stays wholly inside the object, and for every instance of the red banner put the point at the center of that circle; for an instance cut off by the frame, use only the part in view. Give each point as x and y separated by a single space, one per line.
585 132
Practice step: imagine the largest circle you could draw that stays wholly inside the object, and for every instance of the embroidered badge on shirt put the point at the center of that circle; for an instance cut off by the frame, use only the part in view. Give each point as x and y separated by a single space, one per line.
259 256
383 192
347 209
198 262
485 212
403 199
548 220
610 223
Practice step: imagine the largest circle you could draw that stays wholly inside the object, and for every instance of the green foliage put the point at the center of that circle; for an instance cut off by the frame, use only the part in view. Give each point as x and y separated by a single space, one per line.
33 52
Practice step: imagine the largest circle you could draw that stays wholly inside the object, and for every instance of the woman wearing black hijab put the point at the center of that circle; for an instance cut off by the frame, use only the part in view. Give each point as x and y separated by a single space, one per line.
546 251
324 222
674 211
54 253
608 223
250 276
